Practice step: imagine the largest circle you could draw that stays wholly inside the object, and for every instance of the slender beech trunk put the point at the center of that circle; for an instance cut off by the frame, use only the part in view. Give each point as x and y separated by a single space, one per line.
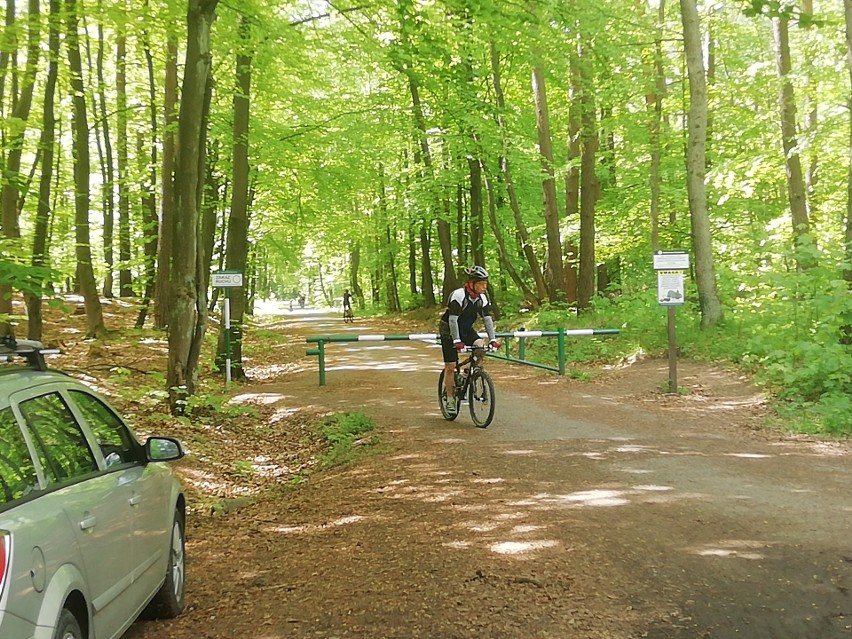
236 253
588 184
181 378
412 256
502 254
551 214
162 304
792 159
846 332
705 275
107 166
354 270
80 133
477 247
149 189
47 144
520 225
811 174
14 144
125 282
654 102
424 156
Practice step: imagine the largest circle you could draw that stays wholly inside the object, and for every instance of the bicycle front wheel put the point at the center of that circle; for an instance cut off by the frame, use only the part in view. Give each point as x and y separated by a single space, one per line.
443 402
481 399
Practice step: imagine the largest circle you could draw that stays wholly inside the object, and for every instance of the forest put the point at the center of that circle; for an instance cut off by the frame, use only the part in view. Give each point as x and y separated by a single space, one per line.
381 146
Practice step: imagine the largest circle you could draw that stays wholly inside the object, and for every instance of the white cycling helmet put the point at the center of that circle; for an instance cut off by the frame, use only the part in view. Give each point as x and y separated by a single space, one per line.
476 274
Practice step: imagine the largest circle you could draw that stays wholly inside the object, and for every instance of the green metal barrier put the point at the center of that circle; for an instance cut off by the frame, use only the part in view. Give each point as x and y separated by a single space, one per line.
522 336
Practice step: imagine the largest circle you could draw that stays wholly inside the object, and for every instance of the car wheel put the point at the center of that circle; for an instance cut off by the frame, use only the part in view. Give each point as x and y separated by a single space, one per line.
68 626
169 600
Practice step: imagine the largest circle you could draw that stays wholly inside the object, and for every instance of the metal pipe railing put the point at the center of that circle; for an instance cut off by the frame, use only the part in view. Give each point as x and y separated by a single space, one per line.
522 336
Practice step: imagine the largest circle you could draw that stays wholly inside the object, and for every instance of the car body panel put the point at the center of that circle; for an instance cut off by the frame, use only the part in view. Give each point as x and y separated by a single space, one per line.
102 534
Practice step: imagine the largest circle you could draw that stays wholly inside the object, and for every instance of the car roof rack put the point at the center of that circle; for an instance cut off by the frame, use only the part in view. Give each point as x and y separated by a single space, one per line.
31 350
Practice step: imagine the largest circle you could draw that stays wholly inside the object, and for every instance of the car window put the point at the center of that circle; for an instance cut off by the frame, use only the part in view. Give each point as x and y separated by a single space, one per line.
116 442
17 471
60 444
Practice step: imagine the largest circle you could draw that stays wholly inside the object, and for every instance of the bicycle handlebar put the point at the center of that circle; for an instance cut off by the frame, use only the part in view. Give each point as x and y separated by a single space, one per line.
471 349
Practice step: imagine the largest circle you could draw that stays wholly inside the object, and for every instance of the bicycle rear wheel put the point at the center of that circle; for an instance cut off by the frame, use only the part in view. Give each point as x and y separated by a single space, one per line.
443 403
481 399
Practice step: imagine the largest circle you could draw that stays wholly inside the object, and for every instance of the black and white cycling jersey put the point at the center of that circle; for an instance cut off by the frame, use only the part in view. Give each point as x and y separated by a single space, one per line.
462 311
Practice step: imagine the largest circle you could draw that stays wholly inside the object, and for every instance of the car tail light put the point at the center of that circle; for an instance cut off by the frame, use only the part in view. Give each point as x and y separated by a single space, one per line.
5 538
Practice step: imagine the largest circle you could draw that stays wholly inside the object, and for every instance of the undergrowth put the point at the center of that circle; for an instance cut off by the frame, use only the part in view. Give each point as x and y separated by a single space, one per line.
785 330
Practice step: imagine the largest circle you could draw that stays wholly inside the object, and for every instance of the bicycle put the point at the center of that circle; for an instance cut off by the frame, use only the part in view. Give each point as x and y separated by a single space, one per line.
473 383
347 315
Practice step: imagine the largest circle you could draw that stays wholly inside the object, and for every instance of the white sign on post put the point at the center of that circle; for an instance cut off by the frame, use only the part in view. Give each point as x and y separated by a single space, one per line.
227 279
670 289
671 261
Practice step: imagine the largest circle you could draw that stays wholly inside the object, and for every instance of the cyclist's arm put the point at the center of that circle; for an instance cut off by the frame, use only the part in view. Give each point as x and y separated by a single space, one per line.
453 321
454 309
489 328
487 319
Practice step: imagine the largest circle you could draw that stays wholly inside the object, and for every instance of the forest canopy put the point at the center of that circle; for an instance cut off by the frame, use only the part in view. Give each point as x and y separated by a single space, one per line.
383 146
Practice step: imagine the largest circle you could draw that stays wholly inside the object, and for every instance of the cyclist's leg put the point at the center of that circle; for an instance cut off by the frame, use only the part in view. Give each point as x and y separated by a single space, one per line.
451 357
473 339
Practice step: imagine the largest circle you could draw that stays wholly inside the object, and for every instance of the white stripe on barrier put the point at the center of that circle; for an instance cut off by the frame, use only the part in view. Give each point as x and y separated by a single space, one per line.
371 338
580 331
423 336
527 334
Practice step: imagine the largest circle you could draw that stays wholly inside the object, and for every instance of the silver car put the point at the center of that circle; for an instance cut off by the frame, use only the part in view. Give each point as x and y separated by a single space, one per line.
91 523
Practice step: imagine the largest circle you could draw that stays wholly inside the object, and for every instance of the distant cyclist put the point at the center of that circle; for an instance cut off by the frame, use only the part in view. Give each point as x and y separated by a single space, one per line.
456 326
347 301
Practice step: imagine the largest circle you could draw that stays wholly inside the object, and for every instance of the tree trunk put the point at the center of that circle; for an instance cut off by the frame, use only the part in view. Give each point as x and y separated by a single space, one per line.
654 102
354 269
477 247
236 253
125 282
575 109
705 275
181 378
520 225
80 134
588 185
502 254
445 241
13 145
412 256
846 331
811 174
792 160
427 284
47 144
424 155
149 199
551 214
162 293
107 164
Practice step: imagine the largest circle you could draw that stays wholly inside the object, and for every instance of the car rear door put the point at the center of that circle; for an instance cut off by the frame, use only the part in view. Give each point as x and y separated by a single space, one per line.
149 486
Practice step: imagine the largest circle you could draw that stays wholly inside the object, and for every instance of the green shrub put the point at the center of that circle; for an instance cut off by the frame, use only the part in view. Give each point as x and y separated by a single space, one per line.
345 432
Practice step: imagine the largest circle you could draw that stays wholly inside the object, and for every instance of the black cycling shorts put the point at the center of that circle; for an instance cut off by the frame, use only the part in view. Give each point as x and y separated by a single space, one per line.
451 355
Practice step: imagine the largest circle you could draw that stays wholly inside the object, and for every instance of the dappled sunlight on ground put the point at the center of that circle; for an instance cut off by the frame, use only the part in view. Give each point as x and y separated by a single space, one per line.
734 548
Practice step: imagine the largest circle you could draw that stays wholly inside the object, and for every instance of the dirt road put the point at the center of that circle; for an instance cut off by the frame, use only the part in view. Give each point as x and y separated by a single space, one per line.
588 509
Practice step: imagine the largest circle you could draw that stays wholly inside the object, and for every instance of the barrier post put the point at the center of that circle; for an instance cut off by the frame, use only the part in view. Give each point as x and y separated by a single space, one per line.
522 348
319 351
560 342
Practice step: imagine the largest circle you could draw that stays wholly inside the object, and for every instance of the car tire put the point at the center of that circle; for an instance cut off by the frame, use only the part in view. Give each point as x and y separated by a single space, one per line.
169 600
68 626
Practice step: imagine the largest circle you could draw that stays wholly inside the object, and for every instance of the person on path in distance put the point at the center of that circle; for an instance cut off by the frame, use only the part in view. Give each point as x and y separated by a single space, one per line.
347 301
456 326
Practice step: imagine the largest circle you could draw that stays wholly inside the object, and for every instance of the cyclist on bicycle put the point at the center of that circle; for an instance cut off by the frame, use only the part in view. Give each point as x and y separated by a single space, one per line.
456 326
347 302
